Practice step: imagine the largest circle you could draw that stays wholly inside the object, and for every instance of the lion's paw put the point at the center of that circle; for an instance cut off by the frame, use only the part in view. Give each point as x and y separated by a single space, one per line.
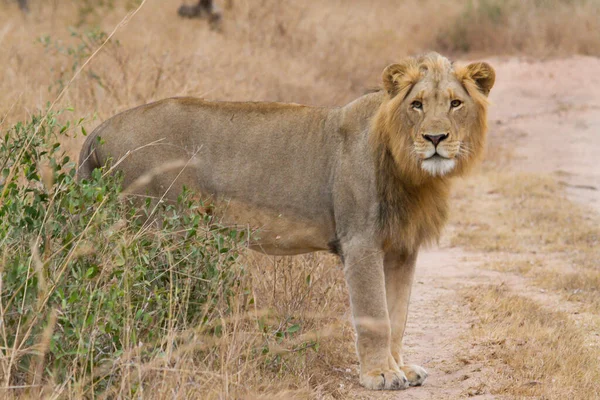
380 379
416 375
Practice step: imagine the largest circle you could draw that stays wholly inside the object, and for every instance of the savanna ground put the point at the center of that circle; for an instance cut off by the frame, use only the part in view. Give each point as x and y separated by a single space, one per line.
505 307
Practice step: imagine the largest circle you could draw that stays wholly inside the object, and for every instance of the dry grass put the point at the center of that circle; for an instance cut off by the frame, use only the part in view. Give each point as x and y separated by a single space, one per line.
309 52
535 229
322 53
537 352
300 321
269 50
541 28
539 344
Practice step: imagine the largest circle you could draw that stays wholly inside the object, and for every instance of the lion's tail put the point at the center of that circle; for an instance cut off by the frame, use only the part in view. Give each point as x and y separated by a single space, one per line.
88 159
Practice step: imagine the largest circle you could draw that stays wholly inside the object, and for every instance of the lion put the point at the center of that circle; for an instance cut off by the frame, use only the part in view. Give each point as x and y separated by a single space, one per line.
368 181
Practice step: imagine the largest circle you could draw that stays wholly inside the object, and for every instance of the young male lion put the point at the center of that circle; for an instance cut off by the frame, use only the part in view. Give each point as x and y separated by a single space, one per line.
368 181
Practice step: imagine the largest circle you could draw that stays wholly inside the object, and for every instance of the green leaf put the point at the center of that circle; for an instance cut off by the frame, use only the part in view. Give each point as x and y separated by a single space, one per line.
91 272
293 329
120 261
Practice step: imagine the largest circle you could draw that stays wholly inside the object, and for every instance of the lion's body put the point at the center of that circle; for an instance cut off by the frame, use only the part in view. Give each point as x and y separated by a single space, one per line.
234 152
356 180
288 171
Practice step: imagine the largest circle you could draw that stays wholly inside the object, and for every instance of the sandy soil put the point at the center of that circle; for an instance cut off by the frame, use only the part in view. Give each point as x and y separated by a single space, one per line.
548 114
552 109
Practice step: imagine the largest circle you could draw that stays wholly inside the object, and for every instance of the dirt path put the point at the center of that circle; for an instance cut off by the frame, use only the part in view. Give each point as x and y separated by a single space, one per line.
548 114
552 111
436 339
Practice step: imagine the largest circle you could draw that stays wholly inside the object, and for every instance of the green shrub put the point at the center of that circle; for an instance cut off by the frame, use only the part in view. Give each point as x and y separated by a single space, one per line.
86 277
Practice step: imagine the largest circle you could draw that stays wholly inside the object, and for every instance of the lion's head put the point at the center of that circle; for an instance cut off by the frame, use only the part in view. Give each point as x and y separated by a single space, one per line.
433 119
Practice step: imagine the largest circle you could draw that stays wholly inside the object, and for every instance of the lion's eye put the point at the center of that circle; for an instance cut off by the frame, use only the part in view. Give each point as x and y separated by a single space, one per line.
455 103
416 105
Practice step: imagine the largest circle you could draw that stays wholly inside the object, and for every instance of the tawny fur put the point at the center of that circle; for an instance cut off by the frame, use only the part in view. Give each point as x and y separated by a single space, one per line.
413 206
365 181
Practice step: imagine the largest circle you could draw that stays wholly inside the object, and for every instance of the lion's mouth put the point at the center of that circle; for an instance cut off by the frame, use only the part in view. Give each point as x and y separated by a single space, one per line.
436 156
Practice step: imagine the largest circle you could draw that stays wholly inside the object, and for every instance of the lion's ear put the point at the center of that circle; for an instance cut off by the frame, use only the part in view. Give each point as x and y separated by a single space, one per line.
482 74
397 76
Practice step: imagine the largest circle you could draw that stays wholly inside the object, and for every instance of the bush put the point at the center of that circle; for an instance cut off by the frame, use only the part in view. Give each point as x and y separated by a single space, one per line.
88 279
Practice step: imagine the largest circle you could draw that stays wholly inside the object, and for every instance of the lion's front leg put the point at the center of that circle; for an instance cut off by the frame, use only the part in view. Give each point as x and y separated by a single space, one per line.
399 272
363 268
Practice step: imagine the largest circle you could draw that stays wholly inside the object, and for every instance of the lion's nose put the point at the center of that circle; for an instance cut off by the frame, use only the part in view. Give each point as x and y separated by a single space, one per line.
435 139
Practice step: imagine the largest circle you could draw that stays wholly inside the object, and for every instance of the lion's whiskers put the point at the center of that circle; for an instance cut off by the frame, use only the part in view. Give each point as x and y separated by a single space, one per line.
464 151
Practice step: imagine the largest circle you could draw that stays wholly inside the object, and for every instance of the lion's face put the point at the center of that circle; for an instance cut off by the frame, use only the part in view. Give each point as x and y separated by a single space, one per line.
438 111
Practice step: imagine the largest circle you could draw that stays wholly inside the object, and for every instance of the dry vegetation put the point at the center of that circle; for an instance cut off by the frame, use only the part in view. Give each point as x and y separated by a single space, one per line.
537 27
286 332
528 228
305 52
536 352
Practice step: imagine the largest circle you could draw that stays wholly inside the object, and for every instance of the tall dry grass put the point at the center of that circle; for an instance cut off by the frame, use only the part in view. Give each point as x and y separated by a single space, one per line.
306 52
322 53
538 27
